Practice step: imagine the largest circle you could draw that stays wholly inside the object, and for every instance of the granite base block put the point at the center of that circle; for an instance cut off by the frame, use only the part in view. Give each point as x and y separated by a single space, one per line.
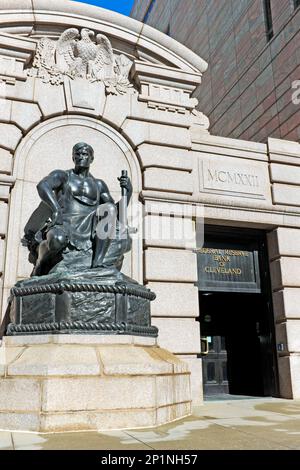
97 384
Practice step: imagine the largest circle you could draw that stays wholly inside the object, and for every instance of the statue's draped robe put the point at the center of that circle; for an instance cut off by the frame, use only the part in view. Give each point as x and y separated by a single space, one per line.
79 216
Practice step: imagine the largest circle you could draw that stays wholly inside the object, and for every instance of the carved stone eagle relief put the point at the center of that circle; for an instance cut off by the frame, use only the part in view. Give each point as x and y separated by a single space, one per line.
81 54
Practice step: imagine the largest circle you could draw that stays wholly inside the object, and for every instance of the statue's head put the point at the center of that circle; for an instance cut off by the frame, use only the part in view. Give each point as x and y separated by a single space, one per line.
83 155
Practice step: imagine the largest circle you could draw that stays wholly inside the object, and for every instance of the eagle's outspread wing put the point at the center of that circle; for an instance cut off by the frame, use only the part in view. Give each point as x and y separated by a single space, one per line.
65 50
103 65
104 49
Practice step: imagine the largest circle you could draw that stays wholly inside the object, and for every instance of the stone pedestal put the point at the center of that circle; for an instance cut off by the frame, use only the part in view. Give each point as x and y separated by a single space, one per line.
93 301
53 383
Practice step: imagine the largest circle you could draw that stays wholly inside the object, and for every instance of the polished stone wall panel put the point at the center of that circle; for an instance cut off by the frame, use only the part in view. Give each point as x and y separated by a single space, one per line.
242 92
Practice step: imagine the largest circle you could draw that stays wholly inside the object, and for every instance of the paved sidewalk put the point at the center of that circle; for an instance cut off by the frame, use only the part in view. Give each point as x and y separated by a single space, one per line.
244 424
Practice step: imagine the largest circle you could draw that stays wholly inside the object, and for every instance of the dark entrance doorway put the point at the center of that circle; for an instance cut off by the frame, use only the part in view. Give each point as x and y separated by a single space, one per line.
238 360
236 321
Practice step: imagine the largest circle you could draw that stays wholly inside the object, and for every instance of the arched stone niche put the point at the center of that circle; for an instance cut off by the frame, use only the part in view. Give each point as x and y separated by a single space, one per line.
49 146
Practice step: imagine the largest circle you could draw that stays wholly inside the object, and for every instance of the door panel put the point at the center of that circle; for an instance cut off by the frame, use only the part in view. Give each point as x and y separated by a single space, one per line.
215 367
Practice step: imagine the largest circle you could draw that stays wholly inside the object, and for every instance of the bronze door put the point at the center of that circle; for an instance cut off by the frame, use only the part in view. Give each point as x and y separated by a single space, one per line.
215 366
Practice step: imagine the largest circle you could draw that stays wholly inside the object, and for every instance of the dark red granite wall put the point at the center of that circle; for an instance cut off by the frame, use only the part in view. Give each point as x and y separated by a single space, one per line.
247 90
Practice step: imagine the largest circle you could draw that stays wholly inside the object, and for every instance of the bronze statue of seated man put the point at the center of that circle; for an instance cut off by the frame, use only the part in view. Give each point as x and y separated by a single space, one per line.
75 198
77 238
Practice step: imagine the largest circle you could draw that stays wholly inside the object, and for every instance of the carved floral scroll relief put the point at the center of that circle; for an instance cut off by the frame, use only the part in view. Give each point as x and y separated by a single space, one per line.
81 54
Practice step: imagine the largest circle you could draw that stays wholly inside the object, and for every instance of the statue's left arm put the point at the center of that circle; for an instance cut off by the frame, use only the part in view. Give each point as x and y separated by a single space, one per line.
105 195
126 183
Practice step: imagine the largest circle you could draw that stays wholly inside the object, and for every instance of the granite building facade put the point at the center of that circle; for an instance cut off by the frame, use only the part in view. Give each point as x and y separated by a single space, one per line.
254 62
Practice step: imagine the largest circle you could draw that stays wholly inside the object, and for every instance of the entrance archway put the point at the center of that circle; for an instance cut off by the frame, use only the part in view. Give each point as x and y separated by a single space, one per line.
49 146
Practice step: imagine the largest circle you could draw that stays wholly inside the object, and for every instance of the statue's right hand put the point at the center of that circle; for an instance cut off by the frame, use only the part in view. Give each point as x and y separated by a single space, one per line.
57 218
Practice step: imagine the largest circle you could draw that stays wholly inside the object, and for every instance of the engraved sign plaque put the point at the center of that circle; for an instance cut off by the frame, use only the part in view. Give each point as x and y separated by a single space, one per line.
230 267
231 177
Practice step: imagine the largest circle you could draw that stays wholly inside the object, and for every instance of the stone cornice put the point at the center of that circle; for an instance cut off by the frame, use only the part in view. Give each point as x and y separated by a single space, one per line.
18 47
15 53
19 15
146 72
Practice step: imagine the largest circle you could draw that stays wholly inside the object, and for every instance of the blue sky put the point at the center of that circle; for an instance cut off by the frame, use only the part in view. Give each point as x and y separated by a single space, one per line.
121 6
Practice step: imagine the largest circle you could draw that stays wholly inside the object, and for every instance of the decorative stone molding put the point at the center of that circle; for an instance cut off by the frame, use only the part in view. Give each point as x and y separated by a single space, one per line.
165 88
283 151
15 53
100 50
77 55
47 16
